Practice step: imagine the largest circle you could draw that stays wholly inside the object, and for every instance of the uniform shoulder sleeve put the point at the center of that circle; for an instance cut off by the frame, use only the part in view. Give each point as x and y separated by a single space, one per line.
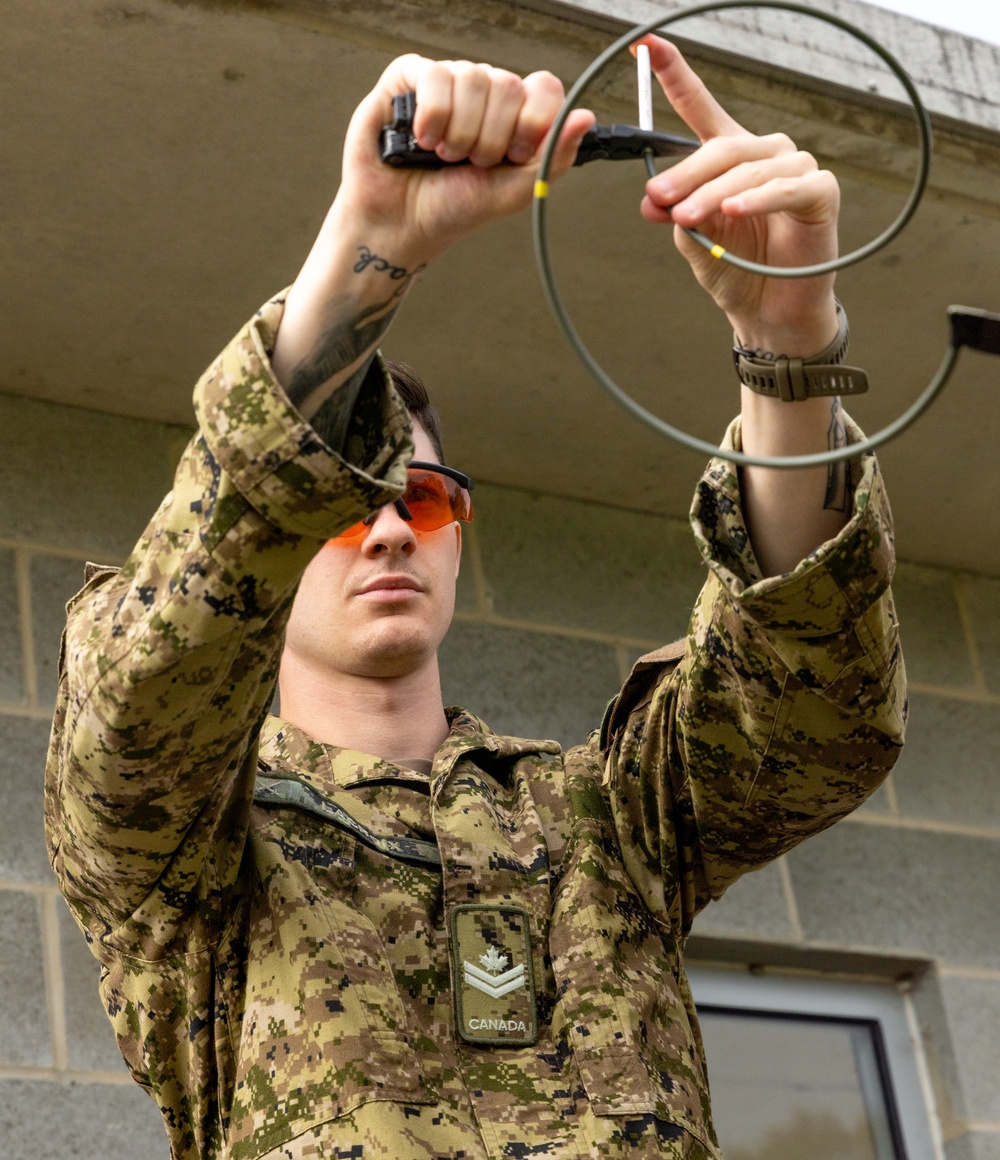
169 665
784 713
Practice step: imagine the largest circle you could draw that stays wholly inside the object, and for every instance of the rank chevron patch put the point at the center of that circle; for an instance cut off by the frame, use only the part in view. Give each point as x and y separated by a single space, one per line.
494 983
500 982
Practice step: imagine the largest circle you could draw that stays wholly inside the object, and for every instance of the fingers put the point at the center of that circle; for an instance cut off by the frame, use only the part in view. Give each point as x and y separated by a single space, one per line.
504 102
543 100
734 172
692 181
726 174
472 112
812 198
478 112
707 196
686 91
577 123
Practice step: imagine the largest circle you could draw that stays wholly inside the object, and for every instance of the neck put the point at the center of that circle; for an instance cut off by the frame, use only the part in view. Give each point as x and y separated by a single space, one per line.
390 717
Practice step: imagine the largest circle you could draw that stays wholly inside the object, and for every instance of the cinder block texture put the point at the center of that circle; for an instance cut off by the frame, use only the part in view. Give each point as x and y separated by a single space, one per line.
79 1121
985 1145
938 1047
54 579
88 481
974 1146
23 742
754 906
24 1022
930 627
921 892
982 599
11 666
973 1012
528 684
580 565
466 599
90 1041
878 803
949 764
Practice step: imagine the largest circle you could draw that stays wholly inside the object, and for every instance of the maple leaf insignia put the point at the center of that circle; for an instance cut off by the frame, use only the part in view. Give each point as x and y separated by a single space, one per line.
493 961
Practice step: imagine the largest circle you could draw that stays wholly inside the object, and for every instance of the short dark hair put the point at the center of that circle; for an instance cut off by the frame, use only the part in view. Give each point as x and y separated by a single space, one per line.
414 394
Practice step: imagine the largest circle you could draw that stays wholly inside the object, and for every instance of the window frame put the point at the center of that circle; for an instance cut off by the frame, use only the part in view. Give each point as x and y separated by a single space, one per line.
916 1130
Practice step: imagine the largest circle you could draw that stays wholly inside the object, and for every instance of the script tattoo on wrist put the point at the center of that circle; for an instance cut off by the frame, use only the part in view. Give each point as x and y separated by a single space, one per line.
836 475
383 265
354 332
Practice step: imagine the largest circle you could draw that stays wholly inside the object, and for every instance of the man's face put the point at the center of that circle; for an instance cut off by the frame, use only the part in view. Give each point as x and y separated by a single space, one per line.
380 604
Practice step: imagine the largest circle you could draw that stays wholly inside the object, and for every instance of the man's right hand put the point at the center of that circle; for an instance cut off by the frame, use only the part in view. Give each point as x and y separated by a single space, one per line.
386 224
491 117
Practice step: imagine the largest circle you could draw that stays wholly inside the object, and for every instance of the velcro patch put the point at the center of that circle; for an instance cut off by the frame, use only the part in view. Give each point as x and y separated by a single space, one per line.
494 984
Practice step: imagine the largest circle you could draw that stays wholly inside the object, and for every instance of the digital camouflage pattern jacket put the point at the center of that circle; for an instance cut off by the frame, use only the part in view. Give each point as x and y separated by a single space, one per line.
309 952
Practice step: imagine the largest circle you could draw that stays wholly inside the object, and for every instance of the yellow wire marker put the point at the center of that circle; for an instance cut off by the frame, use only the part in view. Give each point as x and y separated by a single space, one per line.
717 251
541 189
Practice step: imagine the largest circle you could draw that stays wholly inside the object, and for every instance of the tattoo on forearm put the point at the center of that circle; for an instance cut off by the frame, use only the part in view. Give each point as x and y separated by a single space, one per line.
339 357
836 476
342 344
396 273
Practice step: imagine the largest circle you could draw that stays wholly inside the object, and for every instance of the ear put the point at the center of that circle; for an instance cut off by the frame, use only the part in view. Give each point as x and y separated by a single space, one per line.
458 547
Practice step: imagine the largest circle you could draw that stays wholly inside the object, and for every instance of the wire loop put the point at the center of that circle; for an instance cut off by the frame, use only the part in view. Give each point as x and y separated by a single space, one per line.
543 254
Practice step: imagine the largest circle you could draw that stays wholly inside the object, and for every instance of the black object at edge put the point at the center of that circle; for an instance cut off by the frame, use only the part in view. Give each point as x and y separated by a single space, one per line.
976 329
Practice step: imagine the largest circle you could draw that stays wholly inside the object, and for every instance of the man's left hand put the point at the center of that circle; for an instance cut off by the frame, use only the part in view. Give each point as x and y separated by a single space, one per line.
761 198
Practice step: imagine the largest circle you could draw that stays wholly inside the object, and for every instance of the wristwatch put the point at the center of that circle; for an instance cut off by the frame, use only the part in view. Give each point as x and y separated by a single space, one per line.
794 379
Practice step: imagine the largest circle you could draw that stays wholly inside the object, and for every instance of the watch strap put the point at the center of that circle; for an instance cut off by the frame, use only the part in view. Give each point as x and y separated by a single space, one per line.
793 379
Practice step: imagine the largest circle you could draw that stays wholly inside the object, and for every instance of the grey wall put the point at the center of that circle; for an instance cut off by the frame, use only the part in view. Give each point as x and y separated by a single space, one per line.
557 597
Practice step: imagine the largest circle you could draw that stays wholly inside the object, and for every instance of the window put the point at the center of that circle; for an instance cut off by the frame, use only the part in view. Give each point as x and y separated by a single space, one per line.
807 1068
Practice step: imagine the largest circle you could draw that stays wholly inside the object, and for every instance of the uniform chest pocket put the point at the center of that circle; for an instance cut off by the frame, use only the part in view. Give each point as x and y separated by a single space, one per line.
625 1012
323 1028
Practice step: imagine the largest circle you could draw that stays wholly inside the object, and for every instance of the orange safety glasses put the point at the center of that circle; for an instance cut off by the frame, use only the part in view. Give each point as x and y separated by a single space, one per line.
435 496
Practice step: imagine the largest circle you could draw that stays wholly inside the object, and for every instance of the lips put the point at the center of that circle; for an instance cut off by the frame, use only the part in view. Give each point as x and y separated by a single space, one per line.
394 582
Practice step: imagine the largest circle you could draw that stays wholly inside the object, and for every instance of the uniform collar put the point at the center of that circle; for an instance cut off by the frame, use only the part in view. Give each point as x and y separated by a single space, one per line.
288 751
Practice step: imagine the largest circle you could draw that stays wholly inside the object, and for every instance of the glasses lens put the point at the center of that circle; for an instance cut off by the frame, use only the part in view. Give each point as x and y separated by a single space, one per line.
353 531
435 500
431 498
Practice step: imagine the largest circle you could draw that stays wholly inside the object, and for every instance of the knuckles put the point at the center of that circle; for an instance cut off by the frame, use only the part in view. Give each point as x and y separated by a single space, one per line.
545 82
473 78
506 85
780 143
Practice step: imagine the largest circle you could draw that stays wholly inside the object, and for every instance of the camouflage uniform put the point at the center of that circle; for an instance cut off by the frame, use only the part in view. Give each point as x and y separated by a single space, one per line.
359 959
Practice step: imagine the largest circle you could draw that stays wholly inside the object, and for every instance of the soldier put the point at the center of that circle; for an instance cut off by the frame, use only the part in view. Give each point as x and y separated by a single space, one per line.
372 927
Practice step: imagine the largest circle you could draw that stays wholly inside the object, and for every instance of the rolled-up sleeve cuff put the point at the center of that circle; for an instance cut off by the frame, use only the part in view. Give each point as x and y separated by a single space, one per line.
828 590
275 458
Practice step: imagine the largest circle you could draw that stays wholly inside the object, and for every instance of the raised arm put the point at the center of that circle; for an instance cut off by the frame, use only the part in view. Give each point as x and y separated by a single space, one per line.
785 709
169 665
386 225
766 200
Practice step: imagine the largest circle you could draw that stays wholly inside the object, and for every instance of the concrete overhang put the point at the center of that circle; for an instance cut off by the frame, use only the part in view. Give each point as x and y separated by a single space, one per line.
164 165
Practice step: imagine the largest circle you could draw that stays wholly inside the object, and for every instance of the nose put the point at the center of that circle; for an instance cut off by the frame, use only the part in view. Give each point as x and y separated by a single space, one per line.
389 533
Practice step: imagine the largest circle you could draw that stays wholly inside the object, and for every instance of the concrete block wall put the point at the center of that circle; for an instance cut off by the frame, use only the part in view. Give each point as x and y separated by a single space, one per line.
556 599
74 485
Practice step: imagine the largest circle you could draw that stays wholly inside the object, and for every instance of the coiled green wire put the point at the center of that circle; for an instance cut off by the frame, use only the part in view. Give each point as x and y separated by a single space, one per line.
542 252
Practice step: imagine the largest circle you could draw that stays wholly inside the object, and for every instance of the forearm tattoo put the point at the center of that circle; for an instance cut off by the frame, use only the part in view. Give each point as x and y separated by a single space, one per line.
396 273
836 475
319 382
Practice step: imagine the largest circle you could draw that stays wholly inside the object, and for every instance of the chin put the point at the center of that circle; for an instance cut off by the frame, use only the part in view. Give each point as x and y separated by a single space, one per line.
396 655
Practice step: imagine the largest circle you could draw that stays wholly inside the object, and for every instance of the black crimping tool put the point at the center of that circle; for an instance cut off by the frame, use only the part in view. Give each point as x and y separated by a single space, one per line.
399 147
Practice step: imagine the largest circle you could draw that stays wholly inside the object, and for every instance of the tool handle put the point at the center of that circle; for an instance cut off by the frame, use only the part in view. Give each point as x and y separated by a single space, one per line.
399 148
